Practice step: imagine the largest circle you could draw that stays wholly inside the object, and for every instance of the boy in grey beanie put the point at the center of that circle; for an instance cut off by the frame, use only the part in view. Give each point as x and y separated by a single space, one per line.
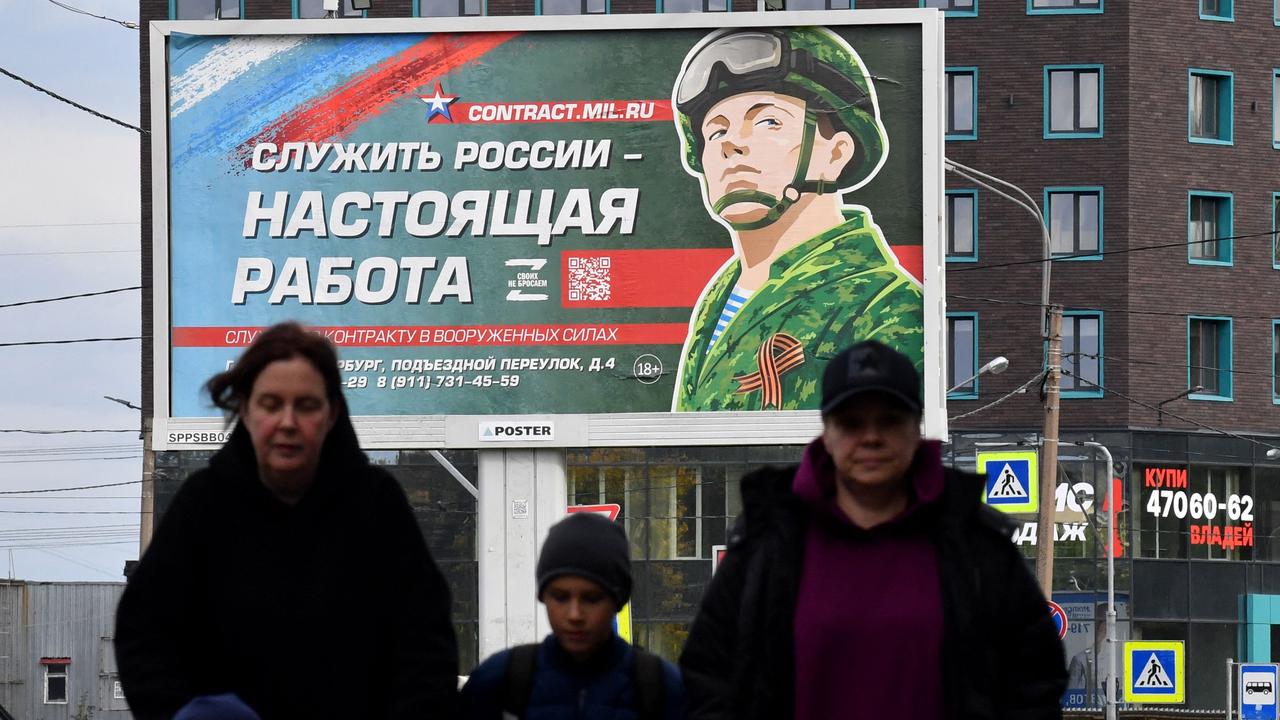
582 669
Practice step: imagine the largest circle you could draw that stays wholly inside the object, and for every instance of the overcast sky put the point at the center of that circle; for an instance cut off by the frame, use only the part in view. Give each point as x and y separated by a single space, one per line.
69 224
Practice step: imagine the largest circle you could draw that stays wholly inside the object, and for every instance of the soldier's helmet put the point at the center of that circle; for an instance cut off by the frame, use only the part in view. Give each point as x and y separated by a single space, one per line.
808 63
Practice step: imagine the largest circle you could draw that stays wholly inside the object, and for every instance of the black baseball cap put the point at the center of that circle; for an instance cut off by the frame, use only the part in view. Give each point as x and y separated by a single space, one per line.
870 366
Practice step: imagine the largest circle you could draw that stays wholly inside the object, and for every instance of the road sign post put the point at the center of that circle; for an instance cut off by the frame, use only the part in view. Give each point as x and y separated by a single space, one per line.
1257 691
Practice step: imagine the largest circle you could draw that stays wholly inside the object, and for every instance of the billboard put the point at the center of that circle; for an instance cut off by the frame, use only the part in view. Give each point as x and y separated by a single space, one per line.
623 230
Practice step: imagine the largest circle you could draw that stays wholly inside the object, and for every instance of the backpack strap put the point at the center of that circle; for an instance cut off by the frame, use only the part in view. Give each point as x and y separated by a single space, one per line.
518 682
651 685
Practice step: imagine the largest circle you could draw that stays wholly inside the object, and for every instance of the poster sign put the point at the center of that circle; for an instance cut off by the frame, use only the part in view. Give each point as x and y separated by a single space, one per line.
550 216
1209 514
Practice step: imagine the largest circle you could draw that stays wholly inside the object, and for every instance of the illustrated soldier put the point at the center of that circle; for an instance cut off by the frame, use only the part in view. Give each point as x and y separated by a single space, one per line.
778 124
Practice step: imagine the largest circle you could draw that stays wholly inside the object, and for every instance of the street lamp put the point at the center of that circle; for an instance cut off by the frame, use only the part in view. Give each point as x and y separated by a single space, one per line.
1160 405
995 366
1273 453
1051 327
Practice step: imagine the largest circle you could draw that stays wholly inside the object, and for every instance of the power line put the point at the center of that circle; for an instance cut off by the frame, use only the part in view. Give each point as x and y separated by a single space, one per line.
25 343
1161 313
1000 399
64 432
123 23
66 489
1140 248
72 252
71 297
1161 411
79 224
66 459
72 103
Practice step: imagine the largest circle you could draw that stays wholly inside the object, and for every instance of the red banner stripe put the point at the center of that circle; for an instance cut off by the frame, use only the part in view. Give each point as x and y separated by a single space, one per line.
497 113
452 335
660 278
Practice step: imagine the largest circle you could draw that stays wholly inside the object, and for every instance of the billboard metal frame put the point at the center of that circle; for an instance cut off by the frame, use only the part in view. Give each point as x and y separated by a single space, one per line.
570 430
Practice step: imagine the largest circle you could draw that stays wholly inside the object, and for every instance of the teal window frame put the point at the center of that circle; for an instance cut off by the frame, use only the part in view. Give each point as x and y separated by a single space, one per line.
971 71
484 9
1275 362
660 6
961 12
973 255
1226 110
1275 230
1094 387
1275 104
1225 222
1226 11
1050 134
294 11
1078 10
1077 190
1224 349
826 4
973 360
173 9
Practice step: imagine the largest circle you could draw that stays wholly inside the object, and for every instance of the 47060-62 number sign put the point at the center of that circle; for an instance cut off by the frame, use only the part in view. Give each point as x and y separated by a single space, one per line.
1181 504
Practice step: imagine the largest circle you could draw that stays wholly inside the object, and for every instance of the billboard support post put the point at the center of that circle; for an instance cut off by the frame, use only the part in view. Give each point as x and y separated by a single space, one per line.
522 494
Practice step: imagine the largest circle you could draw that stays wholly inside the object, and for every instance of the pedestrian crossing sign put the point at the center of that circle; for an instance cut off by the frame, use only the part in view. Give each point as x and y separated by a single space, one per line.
1154 671
1012 480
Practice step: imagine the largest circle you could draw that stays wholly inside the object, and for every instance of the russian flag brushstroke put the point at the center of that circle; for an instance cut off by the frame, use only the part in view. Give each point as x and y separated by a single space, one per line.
369 93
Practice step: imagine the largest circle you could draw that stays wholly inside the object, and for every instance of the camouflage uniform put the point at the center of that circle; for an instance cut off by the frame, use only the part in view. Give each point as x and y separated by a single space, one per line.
838 287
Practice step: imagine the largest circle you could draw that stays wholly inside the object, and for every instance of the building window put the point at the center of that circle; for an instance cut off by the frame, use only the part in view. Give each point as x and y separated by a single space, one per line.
1275 107
573 7
962 356
1075 221
817 5
686 6
449 8
1223 10
205 9
1081 354
1209 228
1044 7
954 8
962 225
1073 101
315 9
1209 100
55 680
1275 361
962 103
1209 357
1275 230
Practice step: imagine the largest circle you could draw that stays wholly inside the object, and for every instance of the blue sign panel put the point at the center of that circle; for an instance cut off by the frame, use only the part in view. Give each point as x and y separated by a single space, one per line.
1258 691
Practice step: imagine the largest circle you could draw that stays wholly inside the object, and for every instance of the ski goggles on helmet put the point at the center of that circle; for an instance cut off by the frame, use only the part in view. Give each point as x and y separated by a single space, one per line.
752 56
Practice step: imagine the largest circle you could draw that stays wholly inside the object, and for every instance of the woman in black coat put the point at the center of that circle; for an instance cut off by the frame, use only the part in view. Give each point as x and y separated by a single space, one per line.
290 573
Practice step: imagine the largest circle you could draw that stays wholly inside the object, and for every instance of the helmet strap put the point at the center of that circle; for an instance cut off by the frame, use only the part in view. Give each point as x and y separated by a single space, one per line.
799 184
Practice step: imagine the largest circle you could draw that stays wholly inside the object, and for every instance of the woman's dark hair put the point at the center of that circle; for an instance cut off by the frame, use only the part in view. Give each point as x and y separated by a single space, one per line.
287 340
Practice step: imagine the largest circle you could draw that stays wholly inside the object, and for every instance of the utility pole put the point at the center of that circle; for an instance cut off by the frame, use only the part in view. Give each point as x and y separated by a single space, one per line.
1052 328
1049 452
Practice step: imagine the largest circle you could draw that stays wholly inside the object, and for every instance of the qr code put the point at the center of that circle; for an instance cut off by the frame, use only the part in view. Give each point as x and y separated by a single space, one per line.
590 279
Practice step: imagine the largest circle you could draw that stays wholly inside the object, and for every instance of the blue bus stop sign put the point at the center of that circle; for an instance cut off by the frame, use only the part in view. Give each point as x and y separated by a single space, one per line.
1257 691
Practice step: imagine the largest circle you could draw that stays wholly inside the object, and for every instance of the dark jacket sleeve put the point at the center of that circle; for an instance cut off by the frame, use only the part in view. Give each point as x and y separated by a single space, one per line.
153 619
708 660
425 680
674 692
483 695
1032 661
